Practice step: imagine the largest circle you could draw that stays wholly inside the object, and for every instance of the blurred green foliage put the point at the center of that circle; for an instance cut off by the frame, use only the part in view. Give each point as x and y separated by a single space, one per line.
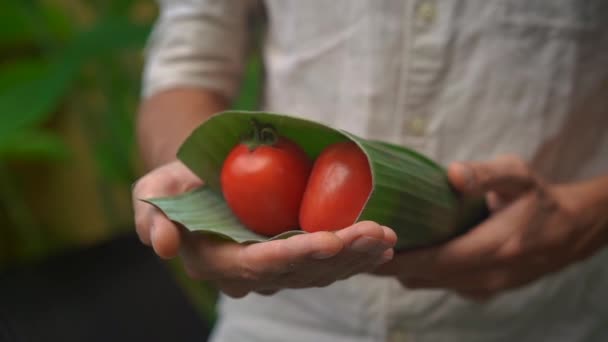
70 76
56 55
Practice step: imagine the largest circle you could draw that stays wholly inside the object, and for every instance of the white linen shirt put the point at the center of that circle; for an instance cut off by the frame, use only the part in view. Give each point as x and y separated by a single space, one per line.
453 79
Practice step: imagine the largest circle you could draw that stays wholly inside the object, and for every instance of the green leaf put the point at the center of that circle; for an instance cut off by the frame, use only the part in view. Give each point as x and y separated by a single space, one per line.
31 101
249 94
15 26
203 210
24 70
56 19
34 145
107 37
411 193
118 6
110 128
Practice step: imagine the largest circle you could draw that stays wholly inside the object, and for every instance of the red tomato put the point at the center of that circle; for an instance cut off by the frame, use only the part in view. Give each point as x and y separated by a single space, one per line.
338 187
264 186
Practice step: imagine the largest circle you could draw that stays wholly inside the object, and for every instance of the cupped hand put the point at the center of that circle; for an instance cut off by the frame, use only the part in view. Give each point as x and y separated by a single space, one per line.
301 261
535 229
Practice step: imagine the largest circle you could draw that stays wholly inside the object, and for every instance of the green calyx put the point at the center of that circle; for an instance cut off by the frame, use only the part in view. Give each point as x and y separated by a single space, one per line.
261 135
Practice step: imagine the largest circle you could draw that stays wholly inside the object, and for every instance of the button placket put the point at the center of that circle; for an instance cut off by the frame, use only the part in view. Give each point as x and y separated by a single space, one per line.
423 62
426 12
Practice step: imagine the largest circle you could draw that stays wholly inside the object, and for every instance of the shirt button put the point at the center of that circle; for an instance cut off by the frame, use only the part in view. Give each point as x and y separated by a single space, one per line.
426 13
415 126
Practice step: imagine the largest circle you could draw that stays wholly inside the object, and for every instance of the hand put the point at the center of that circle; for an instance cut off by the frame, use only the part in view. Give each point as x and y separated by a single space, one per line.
535 229
306 260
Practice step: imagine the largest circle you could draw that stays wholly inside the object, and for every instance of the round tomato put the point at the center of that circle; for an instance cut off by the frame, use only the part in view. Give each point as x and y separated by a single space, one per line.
263 183
338 188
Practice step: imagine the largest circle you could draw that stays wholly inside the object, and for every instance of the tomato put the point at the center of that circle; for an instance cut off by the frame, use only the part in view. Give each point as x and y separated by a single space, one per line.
263 184
338 188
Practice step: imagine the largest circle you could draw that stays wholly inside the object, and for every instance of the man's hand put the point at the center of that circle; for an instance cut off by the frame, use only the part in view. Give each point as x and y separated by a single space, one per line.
535 229
307 260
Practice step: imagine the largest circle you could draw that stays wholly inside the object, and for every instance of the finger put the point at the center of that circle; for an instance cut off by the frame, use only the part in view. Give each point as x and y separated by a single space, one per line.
206 257
366 266
234 289
143 220
508 176
361 244
170 179
263 265
495 202
144 212
359 263
481 247
355 235
351 263
266 262
267 292
164 236
367 245
390 237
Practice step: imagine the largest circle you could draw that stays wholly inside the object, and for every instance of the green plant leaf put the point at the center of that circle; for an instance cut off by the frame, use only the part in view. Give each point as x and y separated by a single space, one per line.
24 70
107 37
411 193
30 101
249 94
109 128
33 145
203 210
33 23
15 26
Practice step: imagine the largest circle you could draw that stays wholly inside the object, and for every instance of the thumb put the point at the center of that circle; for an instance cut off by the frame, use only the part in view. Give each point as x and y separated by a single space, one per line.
507 176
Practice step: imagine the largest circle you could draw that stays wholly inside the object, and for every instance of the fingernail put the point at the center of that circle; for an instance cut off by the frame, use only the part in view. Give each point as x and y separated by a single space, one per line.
387 256
383 260
368 245
463 172
152 231
322 255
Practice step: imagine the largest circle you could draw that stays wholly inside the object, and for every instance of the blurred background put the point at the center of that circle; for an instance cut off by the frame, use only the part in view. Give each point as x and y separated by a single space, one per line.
69 88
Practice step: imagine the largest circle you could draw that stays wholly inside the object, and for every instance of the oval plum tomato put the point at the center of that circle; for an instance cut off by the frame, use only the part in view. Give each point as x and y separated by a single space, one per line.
263 181
338 187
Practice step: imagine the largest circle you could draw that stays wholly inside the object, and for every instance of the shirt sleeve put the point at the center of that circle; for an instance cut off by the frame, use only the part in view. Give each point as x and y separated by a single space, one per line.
197 43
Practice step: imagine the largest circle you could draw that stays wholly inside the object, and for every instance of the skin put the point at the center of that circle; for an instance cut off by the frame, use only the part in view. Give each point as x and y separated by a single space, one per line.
310 260
536 229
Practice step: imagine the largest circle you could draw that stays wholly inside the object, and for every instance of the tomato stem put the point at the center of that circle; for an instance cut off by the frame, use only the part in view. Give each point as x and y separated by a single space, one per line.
261 134
268 135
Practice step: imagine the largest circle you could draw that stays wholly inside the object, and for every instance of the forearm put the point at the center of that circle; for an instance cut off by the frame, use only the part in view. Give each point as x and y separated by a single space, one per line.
167 118
194 62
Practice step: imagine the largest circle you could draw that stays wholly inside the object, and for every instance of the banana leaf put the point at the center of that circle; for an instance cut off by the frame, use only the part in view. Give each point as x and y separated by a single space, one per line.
411 193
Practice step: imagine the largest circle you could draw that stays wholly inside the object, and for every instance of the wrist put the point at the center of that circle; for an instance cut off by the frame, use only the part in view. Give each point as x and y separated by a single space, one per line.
587 201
